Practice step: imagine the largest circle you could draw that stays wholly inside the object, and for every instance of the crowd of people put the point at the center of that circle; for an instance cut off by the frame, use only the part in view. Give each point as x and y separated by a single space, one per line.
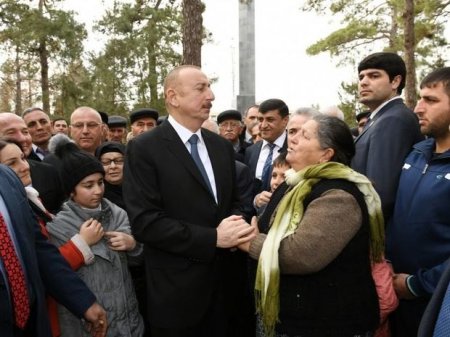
261 223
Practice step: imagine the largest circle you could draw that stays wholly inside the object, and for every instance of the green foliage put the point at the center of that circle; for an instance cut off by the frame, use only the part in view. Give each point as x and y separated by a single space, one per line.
373 25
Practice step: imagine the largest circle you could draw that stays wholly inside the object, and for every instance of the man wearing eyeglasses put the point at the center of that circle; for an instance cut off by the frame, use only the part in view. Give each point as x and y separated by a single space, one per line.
230 128
86 128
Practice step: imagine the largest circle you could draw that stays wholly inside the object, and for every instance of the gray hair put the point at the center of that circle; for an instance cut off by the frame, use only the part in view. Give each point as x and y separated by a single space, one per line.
335 134
306 111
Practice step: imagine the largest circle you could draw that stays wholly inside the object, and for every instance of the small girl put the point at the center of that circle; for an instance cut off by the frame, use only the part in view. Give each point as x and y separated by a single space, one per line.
108 276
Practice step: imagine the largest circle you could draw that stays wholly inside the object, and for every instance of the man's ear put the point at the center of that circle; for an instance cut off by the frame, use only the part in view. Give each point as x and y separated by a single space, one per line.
396 82
172 96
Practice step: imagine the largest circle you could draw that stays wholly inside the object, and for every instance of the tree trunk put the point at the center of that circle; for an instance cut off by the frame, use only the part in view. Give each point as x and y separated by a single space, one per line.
43 58
410 46
192 31
18 109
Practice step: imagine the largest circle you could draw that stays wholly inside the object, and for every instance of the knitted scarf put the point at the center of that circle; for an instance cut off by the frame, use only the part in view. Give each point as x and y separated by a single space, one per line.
288 215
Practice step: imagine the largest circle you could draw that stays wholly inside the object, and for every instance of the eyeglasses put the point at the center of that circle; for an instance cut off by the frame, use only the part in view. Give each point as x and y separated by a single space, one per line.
89 126
226 125
116 161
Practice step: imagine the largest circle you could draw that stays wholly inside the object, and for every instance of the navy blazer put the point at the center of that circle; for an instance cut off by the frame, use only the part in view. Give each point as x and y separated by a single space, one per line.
251 160
382 147
46 269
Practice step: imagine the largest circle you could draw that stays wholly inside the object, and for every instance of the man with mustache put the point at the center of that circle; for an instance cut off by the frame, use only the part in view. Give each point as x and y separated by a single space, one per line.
180 192
273 116
417 238
230 128
392 128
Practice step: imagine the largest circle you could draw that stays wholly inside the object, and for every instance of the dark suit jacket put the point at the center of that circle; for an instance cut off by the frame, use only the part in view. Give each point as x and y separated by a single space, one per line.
34 156
382 147
46 269
173 213
429 318
46 181
251 160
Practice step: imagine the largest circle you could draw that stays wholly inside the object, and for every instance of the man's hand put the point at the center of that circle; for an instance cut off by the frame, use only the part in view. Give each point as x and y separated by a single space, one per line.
233 231
96 316
401 288
246 245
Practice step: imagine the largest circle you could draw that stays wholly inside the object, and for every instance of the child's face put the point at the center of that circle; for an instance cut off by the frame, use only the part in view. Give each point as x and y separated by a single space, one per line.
88 192
277 176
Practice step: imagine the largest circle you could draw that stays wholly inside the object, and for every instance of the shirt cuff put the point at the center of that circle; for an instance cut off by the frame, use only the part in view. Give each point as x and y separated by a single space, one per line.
84 248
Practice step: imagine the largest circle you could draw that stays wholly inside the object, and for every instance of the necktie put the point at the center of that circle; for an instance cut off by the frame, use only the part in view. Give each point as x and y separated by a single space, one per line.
15 275
265 178
42 151
442 327
194 153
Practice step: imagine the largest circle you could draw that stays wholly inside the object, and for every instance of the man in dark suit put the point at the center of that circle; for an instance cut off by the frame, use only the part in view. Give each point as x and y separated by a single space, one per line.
230 128
40 128
392 128
45 177
273 116
43 268
179 188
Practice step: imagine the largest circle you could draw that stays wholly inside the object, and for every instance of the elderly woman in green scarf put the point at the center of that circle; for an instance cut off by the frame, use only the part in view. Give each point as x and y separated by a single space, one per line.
314 263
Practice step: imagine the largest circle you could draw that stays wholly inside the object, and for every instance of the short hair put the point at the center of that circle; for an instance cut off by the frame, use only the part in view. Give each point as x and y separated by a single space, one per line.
333 110
391 63
29 110
250 107
441 75
306 111
59 118
334 133
274 104
281 160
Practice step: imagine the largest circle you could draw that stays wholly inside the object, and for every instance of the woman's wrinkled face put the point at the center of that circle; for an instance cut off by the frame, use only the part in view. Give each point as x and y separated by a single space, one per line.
11 155
113 164
304 148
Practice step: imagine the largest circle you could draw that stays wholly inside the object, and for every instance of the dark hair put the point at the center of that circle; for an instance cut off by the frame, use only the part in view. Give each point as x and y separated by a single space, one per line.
441 75
281 160
391 63
5 141
335 133
27 111
58 118
274 104
251 106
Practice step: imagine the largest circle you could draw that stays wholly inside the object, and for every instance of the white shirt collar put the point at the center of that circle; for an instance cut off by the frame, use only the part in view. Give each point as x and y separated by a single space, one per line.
279 142
184 132
374 112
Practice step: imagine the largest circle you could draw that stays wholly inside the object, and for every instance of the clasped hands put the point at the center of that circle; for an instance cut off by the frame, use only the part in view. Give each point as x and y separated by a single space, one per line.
234 231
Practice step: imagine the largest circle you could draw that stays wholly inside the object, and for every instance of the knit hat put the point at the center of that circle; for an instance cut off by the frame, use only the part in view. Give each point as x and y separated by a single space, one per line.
109 147
76 164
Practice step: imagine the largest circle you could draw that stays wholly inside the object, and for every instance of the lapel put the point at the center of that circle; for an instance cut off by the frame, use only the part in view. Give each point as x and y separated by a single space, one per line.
253 162
9 190
377 117
215 156
179 150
